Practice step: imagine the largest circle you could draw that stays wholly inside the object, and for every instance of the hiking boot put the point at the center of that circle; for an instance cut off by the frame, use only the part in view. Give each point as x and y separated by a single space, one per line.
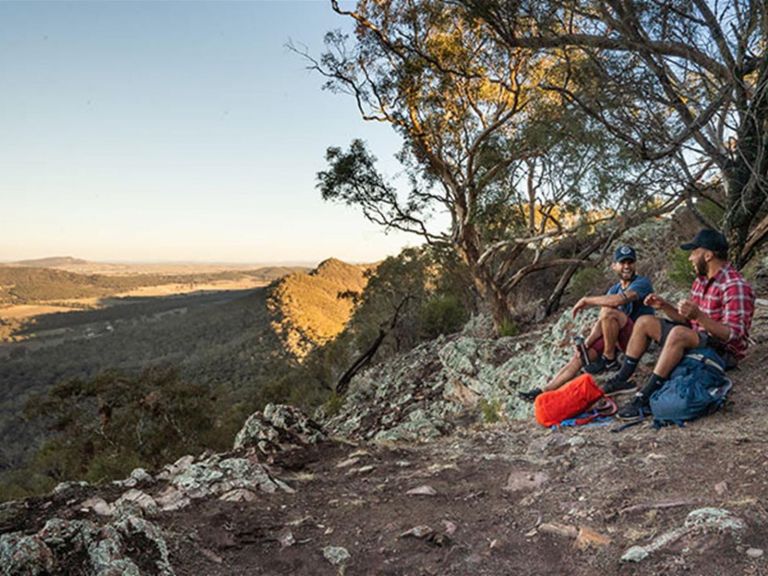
616 386
635 410
602 364
530 395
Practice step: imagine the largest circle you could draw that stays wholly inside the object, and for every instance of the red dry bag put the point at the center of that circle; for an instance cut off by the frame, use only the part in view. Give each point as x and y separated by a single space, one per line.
569 400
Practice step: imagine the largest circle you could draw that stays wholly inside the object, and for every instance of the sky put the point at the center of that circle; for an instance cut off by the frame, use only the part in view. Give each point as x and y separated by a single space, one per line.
175 131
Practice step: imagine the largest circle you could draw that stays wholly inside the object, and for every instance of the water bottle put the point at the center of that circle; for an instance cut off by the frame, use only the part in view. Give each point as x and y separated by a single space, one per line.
581 346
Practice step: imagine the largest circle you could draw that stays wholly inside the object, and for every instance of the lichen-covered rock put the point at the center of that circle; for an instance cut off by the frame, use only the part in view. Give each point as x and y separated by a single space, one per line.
697 521
136 501
138 476
129 546
217 475
336 555
21 554
279 427
421 394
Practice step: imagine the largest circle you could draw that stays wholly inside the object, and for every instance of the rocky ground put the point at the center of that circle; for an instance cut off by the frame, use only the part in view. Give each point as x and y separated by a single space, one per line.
407 479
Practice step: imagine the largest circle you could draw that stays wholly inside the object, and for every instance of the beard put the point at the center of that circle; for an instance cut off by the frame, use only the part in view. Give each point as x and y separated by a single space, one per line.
700 266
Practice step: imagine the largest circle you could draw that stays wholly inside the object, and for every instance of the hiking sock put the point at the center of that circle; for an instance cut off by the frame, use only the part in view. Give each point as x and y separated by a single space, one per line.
627 369
654 383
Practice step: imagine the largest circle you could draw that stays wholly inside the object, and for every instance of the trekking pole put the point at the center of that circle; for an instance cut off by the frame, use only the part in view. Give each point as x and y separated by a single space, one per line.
581 346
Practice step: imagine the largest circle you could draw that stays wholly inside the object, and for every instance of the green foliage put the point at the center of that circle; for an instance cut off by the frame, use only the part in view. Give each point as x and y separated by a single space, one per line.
442 314
416 295
105 427
509 328
586 281
23 483
333 405
711 211
490 410
681 273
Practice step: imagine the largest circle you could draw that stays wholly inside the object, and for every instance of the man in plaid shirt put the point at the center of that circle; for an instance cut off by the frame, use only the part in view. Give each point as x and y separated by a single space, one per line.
718 315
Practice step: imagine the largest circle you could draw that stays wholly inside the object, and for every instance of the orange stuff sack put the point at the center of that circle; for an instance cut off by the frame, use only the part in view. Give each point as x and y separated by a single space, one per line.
571 399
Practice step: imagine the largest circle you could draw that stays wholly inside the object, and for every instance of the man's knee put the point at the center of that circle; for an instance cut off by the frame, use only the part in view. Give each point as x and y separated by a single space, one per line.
617 316
646 328
682 337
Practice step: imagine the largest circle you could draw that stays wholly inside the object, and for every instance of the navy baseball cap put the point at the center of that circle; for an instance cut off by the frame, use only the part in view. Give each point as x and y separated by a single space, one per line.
624 253
708 239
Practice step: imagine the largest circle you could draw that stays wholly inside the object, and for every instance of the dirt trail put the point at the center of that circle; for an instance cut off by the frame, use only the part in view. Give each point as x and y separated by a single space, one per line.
495 493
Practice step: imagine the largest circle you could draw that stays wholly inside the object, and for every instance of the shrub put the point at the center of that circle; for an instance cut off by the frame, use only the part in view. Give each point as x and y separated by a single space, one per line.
586 281
490 409
681 272
442 314
509 328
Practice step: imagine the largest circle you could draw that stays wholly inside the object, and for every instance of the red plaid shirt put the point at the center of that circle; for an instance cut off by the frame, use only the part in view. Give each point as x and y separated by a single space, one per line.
726 298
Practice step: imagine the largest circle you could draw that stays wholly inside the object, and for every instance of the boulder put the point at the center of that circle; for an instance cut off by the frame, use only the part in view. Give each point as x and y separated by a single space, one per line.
279 427
81 546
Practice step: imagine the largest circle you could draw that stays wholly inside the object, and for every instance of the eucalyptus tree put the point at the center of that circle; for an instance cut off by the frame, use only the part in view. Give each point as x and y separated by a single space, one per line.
513 169
682 79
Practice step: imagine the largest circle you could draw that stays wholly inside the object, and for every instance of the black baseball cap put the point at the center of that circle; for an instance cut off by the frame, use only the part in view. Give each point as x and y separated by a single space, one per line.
624 253
708 239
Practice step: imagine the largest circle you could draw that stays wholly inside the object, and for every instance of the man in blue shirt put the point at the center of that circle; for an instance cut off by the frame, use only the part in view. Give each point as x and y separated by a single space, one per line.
620 306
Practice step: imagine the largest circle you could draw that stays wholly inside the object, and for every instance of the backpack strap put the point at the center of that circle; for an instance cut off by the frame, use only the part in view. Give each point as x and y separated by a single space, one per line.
706 360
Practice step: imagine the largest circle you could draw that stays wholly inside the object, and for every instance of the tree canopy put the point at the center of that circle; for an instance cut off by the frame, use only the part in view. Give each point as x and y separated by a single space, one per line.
682 79
514 166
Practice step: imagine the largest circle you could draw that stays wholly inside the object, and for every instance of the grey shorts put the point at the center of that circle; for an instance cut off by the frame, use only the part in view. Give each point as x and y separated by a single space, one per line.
704 340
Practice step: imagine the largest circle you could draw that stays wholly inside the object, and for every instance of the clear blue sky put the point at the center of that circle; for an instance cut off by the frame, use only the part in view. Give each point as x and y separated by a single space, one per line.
156 131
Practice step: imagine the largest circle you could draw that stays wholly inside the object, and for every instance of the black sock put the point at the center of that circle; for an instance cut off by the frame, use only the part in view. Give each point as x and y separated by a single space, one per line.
654 383
627 369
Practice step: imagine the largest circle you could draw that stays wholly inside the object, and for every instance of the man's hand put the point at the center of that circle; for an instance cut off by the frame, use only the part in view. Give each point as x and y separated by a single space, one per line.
654 301
579 306
688 309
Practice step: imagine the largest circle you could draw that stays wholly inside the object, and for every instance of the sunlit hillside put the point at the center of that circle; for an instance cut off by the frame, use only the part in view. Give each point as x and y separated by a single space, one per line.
310 309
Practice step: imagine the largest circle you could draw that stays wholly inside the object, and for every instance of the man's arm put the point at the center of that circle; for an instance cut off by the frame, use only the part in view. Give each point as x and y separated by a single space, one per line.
737 313
658 303
609 300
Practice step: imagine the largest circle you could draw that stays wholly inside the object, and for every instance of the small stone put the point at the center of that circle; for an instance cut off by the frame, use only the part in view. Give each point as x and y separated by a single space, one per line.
450 527
575 441
238 495
285 537
421 531
424 490
336 555
755 552
525 480
721 488
635 554
348 462
211 555
98 505
562 530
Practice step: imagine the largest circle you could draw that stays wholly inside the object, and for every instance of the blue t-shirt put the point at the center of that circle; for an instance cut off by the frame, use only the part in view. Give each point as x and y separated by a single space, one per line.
641 285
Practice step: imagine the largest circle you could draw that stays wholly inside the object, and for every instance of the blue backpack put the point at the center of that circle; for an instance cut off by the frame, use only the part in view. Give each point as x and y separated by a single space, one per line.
696 387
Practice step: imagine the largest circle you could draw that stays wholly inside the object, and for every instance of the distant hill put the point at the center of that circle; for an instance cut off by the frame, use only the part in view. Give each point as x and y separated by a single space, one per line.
29 285
307 309
52 262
